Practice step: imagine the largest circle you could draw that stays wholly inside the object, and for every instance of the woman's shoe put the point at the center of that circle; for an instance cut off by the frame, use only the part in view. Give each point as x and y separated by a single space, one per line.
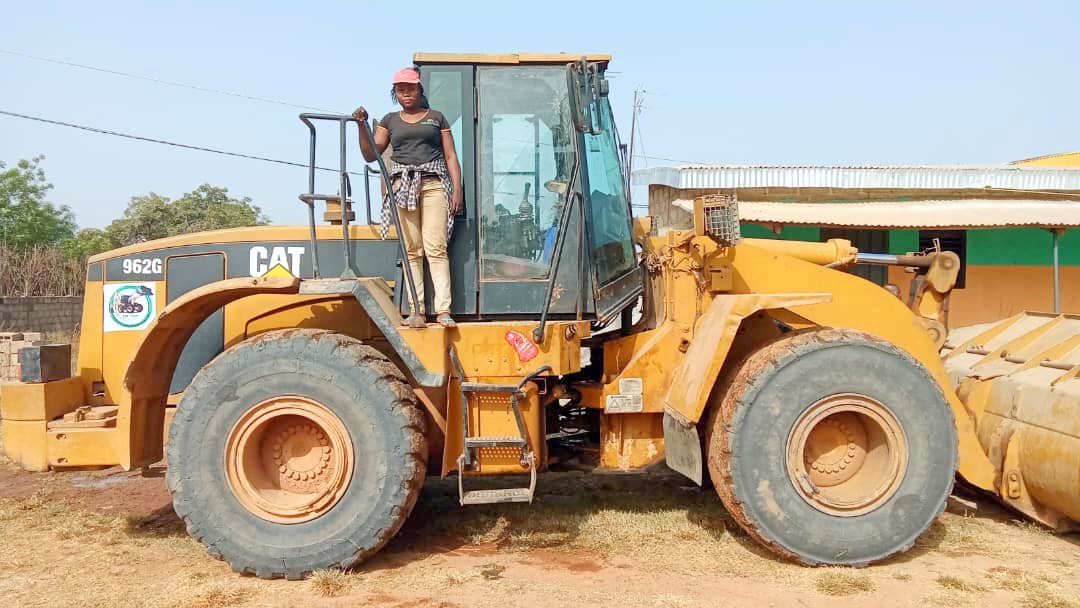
409 322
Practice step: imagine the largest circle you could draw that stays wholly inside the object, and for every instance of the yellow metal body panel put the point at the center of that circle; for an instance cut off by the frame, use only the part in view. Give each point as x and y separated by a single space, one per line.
1021 379
487 356
25 444
1064 159
631 441
261 313
253 234
694 377
680 359
90 362
145 388
862 305
819 254
484 350
27 409
91 447
117 348
490 416
42 401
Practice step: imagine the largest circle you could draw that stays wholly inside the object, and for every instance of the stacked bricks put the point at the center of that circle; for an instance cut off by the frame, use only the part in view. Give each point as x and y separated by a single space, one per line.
10 343
42 314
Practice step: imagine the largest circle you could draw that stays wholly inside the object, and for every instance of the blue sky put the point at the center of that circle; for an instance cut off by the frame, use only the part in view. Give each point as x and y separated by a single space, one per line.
748 82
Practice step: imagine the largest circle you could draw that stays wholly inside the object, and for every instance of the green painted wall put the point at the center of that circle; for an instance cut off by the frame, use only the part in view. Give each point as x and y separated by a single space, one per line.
788 233
903 241
1021 247
985 247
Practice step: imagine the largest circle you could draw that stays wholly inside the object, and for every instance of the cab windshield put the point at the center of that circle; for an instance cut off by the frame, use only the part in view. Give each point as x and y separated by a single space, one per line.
526 150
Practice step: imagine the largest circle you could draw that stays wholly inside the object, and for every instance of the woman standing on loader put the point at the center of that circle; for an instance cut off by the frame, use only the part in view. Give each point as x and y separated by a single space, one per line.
426 177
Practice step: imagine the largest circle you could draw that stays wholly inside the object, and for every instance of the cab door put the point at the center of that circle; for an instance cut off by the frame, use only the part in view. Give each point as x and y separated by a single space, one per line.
526 148
449 89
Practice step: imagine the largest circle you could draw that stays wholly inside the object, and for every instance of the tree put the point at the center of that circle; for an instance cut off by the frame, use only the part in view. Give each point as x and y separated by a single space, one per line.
145 219
206 208
26 218
87 242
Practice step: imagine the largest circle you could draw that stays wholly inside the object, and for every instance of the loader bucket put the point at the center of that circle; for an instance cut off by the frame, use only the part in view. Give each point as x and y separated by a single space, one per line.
1019 379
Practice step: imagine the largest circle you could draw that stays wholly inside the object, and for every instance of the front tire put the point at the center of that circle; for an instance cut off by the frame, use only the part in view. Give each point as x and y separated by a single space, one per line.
294 451
832 447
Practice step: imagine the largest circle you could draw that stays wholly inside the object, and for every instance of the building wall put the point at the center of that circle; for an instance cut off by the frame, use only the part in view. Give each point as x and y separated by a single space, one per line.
1008 270
41 314
997 292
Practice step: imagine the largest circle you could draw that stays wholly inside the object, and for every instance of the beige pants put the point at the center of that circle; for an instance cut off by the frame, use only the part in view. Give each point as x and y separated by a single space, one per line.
424 232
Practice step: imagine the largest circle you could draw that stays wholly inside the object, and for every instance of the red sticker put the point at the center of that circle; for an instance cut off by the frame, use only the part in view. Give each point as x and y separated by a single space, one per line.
526 350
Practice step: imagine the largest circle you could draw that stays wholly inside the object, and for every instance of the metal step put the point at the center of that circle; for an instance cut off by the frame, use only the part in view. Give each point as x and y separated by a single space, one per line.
493 441
480 387
485 497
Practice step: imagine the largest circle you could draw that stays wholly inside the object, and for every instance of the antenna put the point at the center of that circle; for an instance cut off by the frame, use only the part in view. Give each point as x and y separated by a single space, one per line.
638 93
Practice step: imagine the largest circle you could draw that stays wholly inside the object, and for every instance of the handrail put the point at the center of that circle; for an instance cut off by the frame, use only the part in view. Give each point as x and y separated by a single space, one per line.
344 191
415 320
556 255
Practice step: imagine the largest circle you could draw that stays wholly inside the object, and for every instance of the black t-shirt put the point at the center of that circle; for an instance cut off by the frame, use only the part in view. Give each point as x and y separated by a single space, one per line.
416 143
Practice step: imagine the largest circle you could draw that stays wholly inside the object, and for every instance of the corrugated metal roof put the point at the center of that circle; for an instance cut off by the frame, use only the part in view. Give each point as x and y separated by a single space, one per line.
967 213
898 177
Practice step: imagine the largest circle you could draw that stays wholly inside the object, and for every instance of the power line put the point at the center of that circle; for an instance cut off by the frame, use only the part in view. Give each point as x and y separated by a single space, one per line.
230 94
670 160
166 142
161 81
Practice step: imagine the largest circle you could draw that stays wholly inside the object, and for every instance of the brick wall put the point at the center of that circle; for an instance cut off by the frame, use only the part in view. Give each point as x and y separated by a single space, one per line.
10 343
41 314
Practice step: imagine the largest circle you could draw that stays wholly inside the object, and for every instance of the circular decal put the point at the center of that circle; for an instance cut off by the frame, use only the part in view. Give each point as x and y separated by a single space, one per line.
131 305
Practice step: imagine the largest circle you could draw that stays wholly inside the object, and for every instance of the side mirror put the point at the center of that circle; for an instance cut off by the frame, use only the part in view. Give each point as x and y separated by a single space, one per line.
587 87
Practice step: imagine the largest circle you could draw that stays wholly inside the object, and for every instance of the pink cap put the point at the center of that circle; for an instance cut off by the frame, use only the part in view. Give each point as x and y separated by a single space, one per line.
406 76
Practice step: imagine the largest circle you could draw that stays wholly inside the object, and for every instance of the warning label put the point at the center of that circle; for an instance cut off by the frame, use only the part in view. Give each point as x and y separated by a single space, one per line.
623 404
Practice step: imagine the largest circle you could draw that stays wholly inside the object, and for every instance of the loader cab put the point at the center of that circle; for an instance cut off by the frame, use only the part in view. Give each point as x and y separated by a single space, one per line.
546 228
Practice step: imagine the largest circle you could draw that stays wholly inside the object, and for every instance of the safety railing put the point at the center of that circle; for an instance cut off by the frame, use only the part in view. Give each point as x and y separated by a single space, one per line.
345 191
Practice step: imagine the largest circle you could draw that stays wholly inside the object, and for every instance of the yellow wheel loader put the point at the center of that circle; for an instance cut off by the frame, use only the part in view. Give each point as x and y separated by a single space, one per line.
299 417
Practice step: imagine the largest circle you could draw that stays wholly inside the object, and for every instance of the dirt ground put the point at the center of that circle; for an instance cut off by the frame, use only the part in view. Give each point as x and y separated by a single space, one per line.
111 538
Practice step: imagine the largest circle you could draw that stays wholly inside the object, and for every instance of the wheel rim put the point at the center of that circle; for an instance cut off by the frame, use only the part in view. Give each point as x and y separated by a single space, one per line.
847 454
289 459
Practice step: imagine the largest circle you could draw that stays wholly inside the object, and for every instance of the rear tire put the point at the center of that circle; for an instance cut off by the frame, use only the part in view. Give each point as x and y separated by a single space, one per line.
323 388
832 447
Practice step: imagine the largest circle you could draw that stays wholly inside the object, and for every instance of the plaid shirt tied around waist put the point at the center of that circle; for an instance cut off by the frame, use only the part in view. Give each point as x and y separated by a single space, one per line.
407 195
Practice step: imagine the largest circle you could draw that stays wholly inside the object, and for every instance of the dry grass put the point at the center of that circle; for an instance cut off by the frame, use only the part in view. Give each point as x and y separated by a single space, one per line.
492 555
843 581
958 584
1047 598
602 515
1040 589
1031 527
330 583
38 530
962 535
947 598
658 517
226 593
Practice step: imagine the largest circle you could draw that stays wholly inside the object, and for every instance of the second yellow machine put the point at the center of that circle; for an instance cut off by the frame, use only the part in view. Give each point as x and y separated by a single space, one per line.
301 416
